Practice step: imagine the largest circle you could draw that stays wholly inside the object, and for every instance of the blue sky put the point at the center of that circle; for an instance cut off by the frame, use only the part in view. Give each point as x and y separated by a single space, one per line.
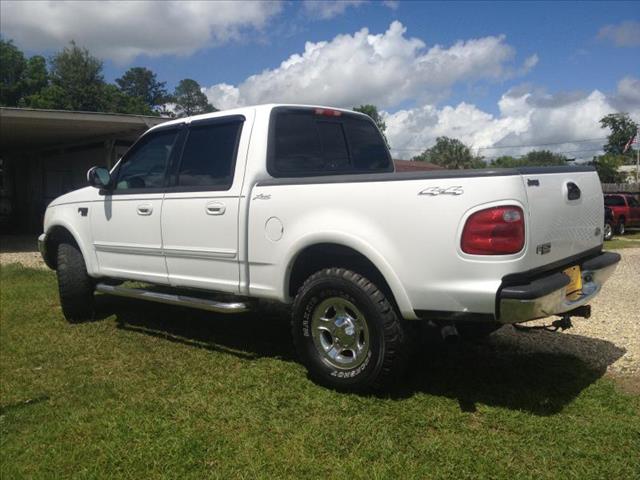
563 34
506 69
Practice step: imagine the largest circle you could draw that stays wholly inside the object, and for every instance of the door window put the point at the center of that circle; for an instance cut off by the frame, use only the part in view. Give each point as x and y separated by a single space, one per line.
209 156
144 166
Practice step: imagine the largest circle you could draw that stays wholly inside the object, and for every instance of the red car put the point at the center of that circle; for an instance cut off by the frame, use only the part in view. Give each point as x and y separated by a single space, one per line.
625 209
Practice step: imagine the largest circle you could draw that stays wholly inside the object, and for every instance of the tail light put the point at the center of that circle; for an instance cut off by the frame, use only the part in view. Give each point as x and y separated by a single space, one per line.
494 231
328 112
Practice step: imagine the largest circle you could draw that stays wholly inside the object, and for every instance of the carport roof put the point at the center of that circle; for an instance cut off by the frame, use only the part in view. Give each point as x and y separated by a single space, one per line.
28 129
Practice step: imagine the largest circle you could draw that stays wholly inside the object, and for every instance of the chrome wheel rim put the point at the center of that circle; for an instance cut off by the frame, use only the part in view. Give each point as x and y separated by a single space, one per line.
340 333
607 231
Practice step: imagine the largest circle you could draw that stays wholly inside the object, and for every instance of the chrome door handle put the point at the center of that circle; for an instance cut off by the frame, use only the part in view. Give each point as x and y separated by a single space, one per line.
145 209
215 208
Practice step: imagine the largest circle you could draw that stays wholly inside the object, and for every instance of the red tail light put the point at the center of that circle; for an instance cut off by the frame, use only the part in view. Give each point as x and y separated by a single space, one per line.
494 231
327 112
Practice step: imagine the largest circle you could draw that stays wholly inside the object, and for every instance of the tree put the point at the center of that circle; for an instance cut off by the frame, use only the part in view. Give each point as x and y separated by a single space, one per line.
534 158
115 101
76 82
506 161
19 76
372 111
622 129
12 65
189 99
607 166
450 153
142 83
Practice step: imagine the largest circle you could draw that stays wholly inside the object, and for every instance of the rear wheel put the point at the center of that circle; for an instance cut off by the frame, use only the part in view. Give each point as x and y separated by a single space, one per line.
608 231
347 333
74 284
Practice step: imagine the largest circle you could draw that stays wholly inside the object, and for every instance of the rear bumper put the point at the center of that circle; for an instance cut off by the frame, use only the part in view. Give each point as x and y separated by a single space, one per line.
547 295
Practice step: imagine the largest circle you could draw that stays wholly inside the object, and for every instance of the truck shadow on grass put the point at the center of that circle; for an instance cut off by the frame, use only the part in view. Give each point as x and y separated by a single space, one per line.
538 371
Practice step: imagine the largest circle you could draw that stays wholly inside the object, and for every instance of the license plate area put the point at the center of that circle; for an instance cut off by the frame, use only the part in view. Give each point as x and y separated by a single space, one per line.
574 289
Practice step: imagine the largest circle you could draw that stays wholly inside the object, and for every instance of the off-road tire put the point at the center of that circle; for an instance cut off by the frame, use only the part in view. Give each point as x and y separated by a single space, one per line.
388 349
76 287
620 229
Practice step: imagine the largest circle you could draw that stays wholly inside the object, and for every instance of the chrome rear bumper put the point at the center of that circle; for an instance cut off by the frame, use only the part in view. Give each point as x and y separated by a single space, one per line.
547 295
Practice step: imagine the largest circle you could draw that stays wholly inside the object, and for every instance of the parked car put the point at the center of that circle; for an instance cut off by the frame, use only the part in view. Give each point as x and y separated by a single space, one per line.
625 209
608 223
301 205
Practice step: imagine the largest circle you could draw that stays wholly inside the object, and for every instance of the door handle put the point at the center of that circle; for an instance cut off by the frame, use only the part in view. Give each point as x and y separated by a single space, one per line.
215 208
145 209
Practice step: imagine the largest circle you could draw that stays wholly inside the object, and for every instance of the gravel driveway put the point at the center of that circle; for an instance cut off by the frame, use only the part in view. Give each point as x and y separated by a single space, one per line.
609 340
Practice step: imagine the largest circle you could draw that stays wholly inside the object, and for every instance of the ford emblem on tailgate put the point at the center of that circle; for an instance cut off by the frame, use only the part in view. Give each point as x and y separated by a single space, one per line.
543 249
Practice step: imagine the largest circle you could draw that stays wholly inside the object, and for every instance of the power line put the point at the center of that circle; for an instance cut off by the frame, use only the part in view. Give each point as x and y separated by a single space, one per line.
543 144
513 146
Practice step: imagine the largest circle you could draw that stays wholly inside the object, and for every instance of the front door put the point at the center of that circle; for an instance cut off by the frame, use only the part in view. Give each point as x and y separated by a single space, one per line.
126 226
201 206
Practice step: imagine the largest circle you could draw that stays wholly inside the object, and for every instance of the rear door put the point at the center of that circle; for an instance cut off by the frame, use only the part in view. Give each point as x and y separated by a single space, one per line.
201 206
566 213
634 211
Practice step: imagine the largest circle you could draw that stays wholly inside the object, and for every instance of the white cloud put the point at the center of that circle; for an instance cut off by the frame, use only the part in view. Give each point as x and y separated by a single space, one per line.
385 69
122 30
625 34
326 9
527 117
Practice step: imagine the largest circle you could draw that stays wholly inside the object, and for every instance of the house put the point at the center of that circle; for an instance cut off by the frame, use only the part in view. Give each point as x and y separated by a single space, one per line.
45 153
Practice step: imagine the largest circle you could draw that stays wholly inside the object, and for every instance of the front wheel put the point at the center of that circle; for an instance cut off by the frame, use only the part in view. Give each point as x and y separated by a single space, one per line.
74 284
347 333
621 228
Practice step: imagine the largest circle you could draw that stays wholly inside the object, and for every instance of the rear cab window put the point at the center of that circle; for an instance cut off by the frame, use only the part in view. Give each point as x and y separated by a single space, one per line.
316 141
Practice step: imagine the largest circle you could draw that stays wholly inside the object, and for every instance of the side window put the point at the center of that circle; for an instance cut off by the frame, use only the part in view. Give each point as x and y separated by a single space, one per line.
209 155
633 202
307 142
368 149
614 201
145 164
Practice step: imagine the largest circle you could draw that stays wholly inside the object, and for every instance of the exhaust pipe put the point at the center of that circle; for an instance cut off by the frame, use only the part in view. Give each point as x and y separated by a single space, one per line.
449 333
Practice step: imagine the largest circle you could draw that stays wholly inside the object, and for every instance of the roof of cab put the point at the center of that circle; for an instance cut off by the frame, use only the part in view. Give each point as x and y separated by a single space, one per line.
243 110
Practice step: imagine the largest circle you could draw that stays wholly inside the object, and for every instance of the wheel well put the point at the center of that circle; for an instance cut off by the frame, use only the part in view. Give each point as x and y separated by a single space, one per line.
55 237
326 255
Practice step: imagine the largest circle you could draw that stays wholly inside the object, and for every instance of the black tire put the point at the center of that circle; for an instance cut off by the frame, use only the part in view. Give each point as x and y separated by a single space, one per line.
608 231
387 346
74 284
471 331
620 229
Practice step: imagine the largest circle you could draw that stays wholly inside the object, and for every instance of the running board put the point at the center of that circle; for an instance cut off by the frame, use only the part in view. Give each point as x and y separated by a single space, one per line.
181 300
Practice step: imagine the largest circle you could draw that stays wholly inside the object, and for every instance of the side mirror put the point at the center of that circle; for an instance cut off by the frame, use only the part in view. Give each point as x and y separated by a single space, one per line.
99 177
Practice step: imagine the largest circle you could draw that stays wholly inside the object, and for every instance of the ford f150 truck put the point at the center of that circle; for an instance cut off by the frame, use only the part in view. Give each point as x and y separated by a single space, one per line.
625 210
301 205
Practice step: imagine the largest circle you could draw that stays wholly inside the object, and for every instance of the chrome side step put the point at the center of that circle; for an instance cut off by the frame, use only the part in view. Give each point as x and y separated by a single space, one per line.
181 300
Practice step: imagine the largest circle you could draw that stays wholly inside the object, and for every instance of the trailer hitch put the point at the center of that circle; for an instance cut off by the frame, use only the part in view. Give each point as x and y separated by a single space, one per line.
563 323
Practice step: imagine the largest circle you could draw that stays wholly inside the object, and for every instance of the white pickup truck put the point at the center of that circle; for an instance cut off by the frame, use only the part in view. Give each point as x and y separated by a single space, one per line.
301 205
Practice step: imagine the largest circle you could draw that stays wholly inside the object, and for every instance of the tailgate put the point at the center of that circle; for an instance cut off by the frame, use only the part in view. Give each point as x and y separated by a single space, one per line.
566 213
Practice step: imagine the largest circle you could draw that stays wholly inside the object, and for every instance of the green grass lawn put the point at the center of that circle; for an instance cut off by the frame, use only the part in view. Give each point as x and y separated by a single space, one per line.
150 391
629 240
